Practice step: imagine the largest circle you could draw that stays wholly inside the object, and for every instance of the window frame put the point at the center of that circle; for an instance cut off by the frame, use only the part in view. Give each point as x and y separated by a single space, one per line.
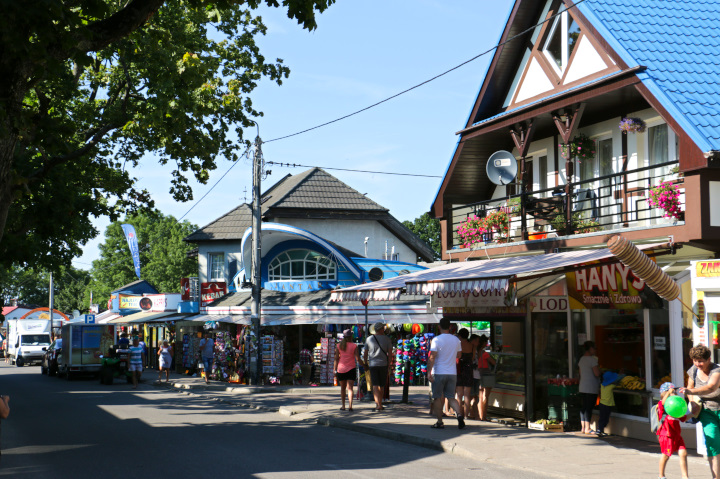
285 261
211 270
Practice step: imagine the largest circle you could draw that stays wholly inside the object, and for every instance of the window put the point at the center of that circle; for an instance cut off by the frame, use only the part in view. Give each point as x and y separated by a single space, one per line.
561 40
303 265
542 174
216 266
658 148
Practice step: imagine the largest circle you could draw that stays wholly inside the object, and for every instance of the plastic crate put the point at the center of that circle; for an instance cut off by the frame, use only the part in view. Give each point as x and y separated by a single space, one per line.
563 391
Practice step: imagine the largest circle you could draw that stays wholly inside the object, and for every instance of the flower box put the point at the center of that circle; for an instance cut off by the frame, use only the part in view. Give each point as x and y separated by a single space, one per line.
536 236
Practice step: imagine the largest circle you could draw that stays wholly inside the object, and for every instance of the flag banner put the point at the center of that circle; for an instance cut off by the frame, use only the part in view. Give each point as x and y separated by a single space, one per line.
131 237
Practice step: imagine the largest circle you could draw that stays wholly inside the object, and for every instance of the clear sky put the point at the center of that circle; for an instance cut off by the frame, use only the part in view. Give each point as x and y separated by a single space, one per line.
362 52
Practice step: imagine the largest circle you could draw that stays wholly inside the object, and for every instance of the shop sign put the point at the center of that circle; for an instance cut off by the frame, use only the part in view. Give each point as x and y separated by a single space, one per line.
548 304
474 299
129 301
297 286
610 286
707 269
185 289
160 302
209 292
659 343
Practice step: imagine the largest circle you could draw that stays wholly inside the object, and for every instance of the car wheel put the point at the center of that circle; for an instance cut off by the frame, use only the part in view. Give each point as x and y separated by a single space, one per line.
19 362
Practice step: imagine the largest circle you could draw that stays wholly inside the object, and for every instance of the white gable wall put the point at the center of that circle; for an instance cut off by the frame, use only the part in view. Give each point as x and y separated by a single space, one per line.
351 235
230 250
585 62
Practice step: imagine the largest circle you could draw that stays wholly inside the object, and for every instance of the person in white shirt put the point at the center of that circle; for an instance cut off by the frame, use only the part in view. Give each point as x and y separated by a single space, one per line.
442 372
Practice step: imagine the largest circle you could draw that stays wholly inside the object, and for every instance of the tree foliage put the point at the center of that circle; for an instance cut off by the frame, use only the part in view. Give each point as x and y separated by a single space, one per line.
427 229
88 87
31 287
163 255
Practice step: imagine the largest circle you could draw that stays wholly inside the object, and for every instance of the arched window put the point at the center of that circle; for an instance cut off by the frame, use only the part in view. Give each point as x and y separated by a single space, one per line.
301 265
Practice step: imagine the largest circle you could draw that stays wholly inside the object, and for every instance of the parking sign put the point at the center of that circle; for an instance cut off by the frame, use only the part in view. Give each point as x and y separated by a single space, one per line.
90 319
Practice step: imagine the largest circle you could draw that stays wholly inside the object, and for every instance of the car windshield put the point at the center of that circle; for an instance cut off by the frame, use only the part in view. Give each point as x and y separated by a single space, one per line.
35 340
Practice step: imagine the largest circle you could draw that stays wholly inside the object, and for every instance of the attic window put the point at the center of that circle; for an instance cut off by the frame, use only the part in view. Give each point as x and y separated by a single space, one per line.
561 40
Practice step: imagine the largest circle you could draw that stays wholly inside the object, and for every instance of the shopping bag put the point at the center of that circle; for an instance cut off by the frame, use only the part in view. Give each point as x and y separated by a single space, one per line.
368 381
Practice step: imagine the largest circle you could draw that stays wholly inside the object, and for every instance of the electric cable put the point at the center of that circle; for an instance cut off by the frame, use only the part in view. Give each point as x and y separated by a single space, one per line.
295 165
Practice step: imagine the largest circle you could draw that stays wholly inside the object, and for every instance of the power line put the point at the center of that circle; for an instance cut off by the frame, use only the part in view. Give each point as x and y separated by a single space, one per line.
429 80
295 165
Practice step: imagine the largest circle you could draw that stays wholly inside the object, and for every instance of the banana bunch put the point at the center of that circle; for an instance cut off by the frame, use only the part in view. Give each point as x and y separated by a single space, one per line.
632 383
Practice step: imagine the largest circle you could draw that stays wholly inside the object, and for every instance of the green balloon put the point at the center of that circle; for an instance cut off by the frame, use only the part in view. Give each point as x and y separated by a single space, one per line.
675 406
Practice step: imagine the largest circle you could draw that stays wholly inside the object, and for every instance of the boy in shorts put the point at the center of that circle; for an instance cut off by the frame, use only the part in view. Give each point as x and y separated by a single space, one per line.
669 434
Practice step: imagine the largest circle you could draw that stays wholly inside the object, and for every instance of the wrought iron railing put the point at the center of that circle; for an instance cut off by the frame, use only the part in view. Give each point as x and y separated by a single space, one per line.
602 204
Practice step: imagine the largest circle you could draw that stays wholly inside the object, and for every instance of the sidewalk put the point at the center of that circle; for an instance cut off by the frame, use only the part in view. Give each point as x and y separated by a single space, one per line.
553 454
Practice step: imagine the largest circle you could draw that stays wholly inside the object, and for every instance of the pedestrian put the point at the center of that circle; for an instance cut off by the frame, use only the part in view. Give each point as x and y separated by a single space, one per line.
346 358
704 382
4 410
463 386
486 368
145 350
123 342
376 354
207 351
136 362
165 353
475 390
589 385
607 400
442 372
5 349
669 434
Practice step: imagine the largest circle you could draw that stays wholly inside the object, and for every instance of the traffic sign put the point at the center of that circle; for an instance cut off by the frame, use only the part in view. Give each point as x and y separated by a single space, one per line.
90 318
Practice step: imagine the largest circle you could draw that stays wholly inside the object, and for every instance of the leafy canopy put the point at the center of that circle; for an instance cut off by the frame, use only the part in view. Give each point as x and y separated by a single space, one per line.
90 87
427 229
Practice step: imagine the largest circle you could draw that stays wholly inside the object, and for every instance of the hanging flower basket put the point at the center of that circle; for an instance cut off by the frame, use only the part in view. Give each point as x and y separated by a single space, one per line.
634 125
472 231
666 197
581 147
498 223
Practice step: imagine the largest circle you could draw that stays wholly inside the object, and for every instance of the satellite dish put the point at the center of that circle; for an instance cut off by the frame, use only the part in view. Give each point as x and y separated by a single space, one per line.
501 167
375 274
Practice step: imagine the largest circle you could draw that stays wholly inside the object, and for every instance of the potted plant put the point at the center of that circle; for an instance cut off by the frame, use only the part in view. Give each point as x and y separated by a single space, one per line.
635 125
581 147
587 226
498 223
472 231
513 207
559 225
666 197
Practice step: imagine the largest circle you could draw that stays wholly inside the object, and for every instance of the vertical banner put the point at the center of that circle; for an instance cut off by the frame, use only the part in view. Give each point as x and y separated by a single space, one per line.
131 237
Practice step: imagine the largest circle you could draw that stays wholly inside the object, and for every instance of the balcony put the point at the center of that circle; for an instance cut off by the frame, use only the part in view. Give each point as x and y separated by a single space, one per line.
592 207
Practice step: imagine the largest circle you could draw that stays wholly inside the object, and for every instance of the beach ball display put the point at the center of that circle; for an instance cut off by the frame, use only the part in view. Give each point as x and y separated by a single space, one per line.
417 328
407 327
675 406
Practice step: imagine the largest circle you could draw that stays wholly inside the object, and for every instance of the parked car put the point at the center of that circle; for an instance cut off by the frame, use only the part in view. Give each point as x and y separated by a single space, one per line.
51 355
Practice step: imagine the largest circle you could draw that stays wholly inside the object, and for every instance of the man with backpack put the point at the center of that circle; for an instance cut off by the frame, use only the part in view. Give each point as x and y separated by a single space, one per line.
667 428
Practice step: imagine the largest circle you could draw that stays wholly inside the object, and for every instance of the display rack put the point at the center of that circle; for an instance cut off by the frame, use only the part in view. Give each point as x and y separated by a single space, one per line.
272 355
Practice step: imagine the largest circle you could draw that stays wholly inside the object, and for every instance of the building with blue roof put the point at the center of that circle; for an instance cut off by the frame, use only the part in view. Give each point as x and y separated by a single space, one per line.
595 118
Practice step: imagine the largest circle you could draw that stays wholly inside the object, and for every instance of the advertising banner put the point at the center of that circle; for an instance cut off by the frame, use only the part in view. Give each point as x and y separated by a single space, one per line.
129 301
185 288
131 237
209 292
611 286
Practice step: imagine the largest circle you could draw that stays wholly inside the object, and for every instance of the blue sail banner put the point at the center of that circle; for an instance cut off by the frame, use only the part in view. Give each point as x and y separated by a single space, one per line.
131 237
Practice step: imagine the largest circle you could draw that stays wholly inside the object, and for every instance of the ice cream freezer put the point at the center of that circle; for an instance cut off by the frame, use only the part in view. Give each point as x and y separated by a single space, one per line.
507 398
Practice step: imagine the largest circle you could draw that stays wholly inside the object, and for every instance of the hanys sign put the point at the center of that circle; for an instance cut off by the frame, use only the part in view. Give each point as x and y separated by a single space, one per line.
610 286
209 292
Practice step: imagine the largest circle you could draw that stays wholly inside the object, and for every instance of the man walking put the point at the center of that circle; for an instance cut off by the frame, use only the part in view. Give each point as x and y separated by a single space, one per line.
442 372
135 365
377 350
207 346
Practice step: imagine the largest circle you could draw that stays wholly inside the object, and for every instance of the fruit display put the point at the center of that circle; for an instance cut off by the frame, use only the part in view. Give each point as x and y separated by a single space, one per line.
633 383
546 422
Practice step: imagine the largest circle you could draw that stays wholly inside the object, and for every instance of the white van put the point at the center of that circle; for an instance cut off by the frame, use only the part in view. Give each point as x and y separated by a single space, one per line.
26 340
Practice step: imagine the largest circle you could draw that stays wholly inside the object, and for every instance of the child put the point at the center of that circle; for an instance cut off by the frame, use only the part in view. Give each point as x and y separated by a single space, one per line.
669 434
607 400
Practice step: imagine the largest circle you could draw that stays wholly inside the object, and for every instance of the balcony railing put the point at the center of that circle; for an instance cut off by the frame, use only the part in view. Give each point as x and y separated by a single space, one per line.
586 207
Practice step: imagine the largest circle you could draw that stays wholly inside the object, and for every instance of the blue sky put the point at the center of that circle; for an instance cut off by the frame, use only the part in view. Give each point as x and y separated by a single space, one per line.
362 52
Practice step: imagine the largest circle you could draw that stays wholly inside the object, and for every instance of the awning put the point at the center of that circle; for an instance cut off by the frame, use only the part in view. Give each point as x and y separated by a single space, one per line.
321 318
106 317
476 276
142 317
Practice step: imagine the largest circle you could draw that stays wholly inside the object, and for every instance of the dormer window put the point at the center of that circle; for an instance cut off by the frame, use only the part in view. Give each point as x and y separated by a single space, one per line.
561 41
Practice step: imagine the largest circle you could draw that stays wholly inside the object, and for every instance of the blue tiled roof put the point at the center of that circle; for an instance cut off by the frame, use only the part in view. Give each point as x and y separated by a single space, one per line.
679 43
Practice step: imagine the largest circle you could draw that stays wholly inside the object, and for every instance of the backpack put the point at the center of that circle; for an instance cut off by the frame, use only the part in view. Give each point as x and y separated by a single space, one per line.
655 421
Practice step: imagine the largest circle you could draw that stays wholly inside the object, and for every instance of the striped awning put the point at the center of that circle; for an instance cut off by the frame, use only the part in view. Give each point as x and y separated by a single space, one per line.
377 295
474 286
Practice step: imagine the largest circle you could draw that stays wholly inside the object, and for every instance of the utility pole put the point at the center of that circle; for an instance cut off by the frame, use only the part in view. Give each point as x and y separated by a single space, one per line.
255 307
52 305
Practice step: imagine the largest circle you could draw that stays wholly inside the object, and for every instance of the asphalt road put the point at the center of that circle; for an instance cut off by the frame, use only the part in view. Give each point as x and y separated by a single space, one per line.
82 429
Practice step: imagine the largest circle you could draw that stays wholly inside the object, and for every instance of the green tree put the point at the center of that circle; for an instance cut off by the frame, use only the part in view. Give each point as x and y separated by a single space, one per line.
28 286
163 255
71 286
427 229
88 87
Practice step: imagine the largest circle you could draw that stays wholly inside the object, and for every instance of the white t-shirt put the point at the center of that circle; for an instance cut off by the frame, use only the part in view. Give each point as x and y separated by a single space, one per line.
589 383
446 346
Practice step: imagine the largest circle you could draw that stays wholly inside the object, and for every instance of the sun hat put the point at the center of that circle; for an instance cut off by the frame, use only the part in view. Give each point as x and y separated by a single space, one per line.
666 387
377 327
347 333
609 377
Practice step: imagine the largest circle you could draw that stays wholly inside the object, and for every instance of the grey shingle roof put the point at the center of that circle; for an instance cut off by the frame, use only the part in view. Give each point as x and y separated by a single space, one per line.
229 226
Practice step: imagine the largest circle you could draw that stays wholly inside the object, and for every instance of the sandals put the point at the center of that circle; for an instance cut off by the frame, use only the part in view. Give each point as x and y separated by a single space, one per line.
350 409
438 425
342 408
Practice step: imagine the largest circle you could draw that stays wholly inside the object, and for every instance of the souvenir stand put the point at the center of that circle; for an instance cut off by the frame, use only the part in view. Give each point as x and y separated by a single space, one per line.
272 351
413 350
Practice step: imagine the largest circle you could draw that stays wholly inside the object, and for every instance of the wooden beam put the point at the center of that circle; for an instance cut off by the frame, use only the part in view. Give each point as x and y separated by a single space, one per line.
568 121
522 136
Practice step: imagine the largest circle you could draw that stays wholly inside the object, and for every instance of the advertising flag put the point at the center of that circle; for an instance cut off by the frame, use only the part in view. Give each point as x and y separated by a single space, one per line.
131 237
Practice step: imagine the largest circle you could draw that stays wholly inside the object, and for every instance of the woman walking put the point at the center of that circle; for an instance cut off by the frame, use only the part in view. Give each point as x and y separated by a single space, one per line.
486 367
704 382
347 356
463 386
165 353
589 385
